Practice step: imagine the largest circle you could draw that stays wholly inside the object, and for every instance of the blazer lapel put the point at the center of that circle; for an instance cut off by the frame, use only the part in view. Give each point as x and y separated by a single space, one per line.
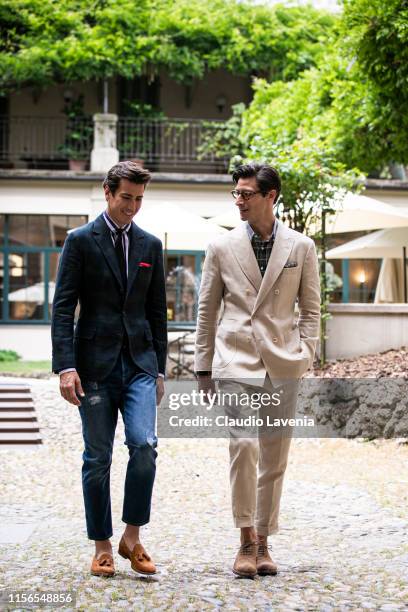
135 253
102 235
280 253
243 252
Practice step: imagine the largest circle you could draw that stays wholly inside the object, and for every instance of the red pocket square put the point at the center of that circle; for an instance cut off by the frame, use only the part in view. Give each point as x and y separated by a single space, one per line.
143 264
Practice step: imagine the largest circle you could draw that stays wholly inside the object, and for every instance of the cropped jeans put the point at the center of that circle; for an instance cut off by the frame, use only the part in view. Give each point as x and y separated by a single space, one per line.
133 392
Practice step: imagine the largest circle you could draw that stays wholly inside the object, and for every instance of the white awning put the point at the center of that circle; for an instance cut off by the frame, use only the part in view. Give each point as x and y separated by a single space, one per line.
384 243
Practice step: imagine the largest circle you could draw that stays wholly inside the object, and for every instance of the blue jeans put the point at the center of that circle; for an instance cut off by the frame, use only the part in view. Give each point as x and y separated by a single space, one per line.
133 392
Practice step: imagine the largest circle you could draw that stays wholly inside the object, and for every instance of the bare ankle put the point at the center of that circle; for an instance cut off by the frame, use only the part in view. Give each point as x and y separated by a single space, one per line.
102 546
132 534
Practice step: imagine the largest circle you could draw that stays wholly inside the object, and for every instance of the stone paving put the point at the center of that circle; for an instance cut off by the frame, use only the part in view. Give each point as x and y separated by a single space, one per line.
343 543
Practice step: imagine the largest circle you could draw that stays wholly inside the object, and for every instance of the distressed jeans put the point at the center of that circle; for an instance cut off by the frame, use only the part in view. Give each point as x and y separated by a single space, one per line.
133 392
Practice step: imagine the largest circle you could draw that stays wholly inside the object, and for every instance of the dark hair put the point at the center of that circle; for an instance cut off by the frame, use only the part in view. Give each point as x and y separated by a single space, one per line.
267 177
128 170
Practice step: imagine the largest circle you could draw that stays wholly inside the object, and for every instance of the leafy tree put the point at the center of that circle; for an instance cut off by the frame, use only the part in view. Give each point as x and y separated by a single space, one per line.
332 103
355 100
45 41
376 36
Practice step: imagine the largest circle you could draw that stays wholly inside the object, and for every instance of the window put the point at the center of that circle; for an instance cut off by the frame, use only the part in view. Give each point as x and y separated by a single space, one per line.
182 280
30 246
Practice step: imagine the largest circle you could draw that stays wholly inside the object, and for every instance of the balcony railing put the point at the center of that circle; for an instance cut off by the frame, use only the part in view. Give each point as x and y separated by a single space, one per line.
44 142
174 145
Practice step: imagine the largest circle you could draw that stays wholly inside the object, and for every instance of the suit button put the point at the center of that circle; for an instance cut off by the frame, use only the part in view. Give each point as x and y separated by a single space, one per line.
274 339
276 292
248 292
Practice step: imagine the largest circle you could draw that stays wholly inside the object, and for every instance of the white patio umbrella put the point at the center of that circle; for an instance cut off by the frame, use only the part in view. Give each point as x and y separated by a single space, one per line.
178 229
360 213
390 284
33 293
229 219
385 243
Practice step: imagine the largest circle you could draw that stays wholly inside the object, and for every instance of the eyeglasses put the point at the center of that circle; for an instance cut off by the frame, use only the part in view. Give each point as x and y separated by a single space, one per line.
246 195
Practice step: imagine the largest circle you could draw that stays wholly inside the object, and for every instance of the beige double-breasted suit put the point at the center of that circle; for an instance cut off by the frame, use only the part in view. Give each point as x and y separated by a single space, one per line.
248 329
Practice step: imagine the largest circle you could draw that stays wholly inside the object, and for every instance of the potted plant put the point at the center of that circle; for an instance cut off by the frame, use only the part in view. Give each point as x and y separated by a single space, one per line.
79 134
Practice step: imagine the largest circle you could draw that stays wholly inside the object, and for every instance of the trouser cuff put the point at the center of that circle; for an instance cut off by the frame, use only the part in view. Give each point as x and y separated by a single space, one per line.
99 538
244 521
135 523
265 530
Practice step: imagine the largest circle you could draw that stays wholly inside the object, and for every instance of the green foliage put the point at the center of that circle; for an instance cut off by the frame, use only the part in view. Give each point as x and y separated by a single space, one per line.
8 355
222 140
26 368
332 103
79 130
376 35
355 101
140 110
46 41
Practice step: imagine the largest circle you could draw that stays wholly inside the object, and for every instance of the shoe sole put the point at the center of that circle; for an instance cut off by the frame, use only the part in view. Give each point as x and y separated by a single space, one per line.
136 570
143 573
267 573
241 575
102 575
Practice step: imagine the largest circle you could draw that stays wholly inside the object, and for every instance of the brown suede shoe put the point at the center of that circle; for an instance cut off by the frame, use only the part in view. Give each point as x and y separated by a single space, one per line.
103 565
245 561
265 566
139 559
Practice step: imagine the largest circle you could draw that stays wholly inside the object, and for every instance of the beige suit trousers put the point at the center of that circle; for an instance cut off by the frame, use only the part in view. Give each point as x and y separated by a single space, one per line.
258 458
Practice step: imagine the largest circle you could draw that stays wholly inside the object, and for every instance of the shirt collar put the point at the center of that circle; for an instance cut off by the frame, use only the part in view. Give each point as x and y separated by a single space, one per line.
114 226
251 232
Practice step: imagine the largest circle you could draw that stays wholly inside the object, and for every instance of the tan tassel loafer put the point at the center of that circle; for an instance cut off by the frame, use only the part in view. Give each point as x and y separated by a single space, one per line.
103 566
245 561
139 559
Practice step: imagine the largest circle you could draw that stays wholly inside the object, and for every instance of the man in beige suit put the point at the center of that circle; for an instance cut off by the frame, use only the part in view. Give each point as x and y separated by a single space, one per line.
248 330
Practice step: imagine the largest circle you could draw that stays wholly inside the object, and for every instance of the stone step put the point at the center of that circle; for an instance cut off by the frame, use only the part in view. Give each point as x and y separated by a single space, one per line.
18 423
15 397
20 438
6 388
16 406
14 415
24 426
18 386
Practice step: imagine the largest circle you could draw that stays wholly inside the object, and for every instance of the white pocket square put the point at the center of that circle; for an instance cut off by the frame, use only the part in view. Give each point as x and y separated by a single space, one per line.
290 264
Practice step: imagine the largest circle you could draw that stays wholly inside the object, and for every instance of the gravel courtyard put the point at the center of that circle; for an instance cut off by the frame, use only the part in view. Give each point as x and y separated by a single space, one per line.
343 543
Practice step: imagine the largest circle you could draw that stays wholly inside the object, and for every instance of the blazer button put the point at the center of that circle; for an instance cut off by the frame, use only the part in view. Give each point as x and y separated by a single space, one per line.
276 292
274 339
248 292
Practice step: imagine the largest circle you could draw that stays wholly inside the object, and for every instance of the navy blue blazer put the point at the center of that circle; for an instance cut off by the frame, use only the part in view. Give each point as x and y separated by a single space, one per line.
89 273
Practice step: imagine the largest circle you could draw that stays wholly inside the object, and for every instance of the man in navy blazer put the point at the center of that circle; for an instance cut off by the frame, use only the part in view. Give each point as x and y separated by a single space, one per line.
115 359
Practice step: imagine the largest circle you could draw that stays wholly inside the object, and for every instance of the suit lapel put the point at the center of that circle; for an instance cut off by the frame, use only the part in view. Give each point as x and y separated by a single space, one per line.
243 252
135 253
280 253
102 236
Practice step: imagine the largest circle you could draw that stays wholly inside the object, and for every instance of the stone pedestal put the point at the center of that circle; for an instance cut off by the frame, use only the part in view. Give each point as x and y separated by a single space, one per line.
104 155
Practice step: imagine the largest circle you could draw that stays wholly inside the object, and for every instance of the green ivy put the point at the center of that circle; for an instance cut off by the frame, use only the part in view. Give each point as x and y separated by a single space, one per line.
46 41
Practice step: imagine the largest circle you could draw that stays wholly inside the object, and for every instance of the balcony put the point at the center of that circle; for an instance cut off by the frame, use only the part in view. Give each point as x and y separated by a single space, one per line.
167 145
